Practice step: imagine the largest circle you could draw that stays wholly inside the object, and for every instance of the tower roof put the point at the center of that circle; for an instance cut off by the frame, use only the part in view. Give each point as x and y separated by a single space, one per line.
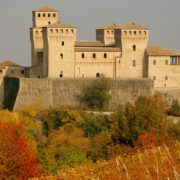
45 9
7 63
134 26
110 27
60 24
160 51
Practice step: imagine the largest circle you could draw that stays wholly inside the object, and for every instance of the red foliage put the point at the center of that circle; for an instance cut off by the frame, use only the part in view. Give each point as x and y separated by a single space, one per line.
146 141
17 159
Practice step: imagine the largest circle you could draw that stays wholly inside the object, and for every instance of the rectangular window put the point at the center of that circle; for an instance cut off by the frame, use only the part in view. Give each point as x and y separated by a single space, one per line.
154 77
173 60
134 63
154 62
166 78
82 55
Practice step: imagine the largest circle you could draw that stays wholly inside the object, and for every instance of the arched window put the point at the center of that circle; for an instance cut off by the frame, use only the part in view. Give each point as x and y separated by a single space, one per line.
49 15
61 55
72 30
134 32
54 15
98 75
61 30
62 43
130 32
94 55
57 30
139 32
66 30
125 32
49 22
107 32
112 32
82 55
144 32
134 47
22 71
105 55
51 30
39 15
36 32
44 15
134 63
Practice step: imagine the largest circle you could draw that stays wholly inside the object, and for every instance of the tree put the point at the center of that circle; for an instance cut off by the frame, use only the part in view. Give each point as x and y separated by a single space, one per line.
18 160
175 108
148 114
97 95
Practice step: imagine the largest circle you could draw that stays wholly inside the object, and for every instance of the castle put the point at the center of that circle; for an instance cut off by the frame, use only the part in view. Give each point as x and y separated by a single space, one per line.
118 52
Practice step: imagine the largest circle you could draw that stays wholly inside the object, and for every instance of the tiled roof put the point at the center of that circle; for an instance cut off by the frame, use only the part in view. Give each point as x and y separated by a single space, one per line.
60 25
110 27
134 26
45 9
97 49
4 64
160 51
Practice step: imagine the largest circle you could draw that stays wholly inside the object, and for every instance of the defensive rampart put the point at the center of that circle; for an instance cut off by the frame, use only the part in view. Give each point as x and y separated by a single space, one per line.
58 92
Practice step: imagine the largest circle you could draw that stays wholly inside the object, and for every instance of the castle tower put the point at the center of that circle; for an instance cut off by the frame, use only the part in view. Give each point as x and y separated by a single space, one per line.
133 40
41 17
106 34
59 40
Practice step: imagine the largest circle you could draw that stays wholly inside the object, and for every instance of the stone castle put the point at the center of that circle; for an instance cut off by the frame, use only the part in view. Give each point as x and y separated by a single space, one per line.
62 67
118 52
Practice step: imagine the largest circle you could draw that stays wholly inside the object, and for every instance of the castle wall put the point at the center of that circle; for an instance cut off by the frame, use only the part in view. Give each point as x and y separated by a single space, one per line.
66 91
164 75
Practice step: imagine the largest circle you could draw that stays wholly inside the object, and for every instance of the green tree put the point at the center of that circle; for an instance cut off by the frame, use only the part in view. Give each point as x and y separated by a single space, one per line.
175 108
148 114
97 95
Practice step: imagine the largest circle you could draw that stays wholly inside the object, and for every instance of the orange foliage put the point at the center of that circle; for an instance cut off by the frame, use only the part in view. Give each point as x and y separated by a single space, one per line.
17 159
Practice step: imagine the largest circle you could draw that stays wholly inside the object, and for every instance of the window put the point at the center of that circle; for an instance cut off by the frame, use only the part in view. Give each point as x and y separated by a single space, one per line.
125 32
36 32
166 62
44 15
154 77
179 60
61 75
82 55
39 15
1 71
22 72
49 22
54 15
66 30
166 78
105 55
72 30
94 55
61 55
139 32
107 32
173 60
134 63
12 71
112 32
154 62
134 47
134 32
61 30
49 15
144 32
51 30
98 75
119 61
130 32
39 77
57 30
62 43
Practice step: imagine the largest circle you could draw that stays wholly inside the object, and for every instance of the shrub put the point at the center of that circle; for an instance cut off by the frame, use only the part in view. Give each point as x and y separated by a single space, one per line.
175 108
97 95
18 160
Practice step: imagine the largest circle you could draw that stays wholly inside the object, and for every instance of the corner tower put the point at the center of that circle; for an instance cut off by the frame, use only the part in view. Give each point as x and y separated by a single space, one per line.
133 40
41 17
59 41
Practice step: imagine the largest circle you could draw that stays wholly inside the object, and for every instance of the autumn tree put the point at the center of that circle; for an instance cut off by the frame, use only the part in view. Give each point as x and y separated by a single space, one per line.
18 160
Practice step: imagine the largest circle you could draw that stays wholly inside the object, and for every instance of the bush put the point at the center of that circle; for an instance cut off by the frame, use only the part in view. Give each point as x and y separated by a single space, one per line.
175 108
97 96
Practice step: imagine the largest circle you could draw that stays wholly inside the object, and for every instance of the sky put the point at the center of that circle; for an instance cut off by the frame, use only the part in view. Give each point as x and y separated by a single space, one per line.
161 16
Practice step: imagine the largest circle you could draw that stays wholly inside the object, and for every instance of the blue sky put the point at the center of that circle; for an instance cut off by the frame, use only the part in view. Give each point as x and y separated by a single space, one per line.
161 16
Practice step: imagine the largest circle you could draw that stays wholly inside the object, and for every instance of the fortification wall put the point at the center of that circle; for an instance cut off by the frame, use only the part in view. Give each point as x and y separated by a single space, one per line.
58 92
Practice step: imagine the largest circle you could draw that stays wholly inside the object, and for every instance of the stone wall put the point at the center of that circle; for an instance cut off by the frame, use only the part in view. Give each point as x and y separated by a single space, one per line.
58 92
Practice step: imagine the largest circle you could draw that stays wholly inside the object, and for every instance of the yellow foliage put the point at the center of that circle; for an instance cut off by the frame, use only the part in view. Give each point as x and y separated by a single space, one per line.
8 117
